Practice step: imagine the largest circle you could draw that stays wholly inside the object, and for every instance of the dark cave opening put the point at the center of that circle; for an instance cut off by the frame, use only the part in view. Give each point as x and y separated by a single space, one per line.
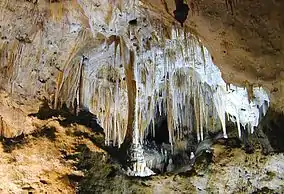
161 132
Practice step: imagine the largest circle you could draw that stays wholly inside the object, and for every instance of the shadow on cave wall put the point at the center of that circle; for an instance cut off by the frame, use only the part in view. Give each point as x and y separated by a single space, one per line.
83 117
9 144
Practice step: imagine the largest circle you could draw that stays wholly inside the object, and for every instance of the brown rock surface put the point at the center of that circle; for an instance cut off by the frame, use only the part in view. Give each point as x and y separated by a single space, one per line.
35 163
13 119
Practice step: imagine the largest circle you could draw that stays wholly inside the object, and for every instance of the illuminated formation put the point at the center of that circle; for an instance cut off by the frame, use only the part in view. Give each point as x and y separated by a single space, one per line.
142 70
179 80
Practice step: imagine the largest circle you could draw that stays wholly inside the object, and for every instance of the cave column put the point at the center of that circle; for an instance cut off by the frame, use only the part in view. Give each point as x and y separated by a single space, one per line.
132 148
132 95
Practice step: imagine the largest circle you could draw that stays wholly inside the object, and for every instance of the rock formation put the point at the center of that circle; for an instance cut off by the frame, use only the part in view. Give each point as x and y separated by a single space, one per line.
130 64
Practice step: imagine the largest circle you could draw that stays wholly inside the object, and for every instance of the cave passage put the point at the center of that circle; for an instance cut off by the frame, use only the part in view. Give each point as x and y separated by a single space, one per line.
161 132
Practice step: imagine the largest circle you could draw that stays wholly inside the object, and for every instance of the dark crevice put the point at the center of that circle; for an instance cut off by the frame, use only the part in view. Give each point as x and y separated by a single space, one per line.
9 144
181 11
272 128
48 132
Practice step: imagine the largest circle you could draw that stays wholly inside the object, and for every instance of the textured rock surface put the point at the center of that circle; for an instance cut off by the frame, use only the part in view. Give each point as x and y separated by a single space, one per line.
40 43
35 163
13 121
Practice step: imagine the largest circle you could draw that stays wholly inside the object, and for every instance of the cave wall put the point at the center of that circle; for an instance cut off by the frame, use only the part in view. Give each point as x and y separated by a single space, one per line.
38 41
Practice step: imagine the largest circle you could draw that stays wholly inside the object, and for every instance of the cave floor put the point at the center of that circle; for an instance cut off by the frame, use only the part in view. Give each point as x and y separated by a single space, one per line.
36 163
57 159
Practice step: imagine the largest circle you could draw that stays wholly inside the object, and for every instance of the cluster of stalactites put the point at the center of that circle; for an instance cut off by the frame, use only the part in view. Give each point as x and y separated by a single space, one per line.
182 82
168 83
105 93
176 78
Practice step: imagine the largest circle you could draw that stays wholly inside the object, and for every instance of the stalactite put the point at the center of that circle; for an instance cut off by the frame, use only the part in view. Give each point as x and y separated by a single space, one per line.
62 75
196 112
